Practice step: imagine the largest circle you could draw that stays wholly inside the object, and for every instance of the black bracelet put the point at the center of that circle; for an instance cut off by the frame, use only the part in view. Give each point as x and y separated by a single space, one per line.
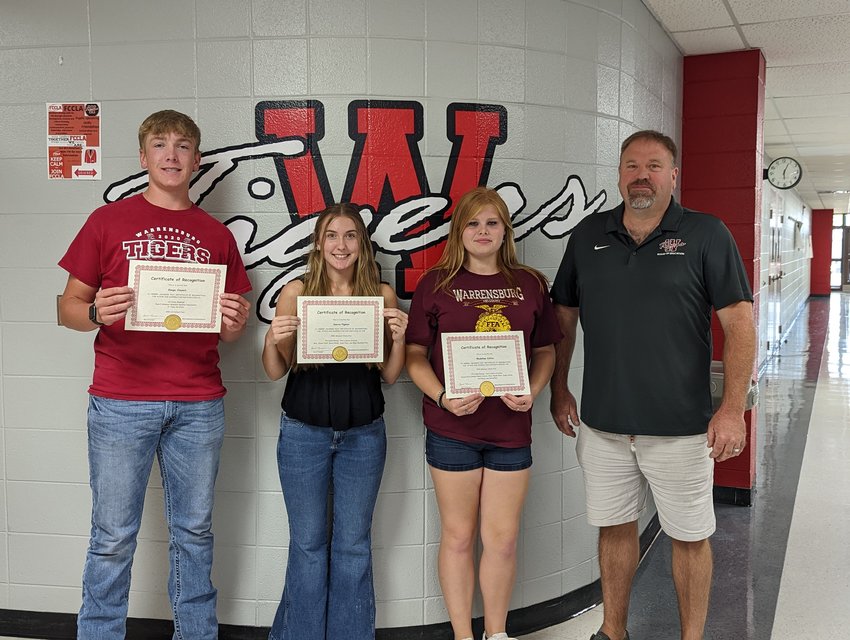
440 399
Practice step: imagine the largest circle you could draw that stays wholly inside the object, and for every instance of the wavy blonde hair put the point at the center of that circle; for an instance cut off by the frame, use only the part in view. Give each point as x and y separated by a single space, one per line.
367 281
454 253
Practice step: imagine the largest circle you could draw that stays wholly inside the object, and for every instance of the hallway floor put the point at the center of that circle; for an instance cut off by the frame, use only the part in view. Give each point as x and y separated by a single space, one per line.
782 566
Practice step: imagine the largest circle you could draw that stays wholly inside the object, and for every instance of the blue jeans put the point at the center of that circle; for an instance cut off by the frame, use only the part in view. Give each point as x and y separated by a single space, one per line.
329 595
123 438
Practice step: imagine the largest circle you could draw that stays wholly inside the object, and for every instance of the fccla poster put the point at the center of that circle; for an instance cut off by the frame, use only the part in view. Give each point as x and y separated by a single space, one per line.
73 140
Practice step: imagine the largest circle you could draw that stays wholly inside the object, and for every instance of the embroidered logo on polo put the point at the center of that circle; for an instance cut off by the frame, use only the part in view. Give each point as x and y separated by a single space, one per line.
671 247
597 247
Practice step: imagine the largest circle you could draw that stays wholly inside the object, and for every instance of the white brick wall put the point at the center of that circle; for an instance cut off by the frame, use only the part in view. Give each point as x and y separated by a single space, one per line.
575 78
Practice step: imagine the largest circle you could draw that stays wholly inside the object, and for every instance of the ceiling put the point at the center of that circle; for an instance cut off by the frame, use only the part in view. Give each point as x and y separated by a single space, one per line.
806 44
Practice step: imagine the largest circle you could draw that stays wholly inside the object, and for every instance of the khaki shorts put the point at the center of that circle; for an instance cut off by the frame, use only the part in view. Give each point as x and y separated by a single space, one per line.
617 471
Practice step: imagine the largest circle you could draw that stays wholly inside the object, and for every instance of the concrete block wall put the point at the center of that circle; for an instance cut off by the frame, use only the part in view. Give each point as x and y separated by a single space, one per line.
574 78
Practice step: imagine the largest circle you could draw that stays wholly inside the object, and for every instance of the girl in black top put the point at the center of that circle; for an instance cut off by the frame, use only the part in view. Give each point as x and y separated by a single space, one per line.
332 434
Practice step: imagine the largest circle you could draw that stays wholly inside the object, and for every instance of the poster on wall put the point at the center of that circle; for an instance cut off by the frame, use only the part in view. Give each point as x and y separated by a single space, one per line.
73 140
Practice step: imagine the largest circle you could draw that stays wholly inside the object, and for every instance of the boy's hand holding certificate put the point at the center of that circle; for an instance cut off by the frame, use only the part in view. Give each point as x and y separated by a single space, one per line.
492 363
340 329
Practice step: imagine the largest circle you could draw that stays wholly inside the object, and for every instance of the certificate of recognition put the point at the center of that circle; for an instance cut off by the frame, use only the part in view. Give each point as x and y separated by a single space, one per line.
340 329
490 362
175 296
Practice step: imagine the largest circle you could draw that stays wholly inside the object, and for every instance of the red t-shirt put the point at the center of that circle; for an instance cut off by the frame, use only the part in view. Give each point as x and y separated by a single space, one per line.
149 365
480 303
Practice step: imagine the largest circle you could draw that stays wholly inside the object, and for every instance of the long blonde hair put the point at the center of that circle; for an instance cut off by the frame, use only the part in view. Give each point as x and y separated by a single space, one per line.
454 253
367 280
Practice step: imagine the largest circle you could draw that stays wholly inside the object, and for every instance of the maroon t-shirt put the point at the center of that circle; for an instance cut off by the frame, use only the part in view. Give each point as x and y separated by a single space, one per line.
481 303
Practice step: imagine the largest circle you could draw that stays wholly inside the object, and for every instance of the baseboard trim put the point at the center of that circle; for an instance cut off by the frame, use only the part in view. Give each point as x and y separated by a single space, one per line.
734 495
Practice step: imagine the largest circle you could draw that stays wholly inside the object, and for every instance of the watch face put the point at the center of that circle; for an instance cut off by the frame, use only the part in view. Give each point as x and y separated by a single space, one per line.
784 173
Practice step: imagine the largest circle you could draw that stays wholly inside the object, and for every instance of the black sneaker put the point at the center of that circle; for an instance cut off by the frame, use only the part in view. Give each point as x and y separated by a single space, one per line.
604 636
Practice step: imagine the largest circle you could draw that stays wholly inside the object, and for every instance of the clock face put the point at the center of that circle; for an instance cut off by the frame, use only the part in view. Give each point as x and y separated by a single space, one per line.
784 173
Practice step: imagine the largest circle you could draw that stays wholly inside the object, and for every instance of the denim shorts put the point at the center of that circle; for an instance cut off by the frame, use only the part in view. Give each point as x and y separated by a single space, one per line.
448 454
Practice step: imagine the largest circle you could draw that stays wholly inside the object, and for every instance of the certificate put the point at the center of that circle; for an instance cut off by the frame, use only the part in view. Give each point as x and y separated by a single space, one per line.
175 296
490 362
340 329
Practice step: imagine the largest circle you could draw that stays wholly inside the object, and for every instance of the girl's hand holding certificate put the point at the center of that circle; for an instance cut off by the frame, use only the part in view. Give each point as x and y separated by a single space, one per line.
463 406
283 327
518 403
396 323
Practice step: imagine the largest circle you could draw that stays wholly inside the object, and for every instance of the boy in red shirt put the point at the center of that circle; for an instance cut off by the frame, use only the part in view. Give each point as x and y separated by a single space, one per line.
153 394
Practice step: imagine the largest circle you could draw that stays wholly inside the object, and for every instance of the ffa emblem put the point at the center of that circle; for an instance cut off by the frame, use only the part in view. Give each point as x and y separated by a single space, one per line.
491 318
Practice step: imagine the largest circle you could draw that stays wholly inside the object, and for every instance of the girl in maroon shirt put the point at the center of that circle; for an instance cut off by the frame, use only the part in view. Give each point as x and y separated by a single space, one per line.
478 448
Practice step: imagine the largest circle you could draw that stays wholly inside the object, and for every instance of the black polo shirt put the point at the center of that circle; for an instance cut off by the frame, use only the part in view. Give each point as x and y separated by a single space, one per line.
646 315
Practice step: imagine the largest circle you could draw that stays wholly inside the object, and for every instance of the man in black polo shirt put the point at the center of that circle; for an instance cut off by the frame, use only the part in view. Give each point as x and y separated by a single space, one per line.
643 277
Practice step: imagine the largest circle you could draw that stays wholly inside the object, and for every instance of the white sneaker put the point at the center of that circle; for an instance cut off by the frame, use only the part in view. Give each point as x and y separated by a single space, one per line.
499 636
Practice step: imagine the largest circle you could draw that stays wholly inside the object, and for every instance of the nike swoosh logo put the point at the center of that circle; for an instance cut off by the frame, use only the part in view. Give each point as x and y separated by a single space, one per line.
597 247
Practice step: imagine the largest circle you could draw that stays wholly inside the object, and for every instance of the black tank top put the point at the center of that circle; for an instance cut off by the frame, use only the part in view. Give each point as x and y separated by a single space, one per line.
340 396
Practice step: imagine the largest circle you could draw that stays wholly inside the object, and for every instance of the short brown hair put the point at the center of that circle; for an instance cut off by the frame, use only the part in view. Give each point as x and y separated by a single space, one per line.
169 121
654 136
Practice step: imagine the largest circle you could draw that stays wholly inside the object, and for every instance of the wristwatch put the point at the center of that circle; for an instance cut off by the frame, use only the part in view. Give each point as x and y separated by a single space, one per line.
93 315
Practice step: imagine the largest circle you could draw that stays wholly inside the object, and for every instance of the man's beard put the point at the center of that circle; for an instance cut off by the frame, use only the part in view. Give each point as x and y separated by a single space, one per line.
641 202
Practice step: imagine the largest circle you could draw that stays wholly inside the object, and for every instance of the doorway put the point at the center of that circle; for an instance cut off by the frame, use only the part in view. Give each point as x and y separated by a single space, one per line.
839 270
774 282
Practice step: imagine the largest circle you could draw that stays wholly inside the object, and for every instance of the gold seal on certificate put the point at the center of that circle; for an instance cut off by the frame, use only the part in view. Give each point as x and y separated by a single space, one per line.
175 296
492 363
487 388
172 322
340 329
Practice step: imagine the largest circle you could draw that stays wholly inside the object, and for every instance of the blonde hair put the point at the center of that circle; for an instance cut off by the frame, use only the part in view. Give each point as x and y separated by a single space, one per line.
169 121
454 252
367 281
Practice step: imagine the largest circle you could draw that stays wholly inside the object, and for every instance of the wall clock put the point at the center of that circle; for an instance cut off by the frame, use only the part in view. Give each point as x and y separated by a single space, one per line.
784 173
